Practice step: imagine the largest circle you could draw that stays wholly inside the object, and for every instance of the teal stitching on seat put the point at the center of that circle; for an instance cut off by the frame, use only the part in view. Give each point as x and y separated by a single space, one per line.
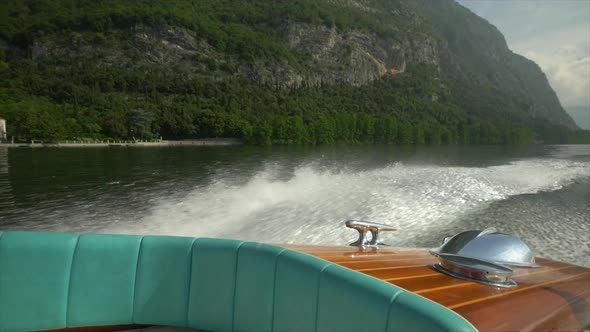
393 298
135 277
317 300
190 277
70 280
163 280
45 269
406 310
274 287
102 283
233 313
212 292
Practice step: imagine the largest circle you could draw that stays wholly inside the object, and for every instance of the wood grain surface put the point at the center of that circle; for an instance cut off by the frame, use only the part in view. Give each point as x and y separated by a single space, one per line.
553 297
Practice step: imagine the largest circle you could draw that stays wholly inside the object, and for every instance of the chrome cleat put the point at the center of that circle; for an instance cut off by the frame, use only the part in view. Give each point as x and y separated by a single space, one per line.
363 227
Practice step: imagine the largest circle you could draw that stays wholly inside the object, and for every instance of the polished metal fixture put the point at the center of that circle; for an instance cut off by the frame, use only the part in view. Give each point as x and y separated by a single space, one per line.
489 245
363 226
475 270
482 256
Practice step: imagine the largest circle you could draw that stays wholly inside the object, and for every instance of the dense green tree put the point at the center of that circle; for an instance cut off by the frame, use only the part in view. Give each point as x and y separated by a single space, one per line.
37 120
419 137
47 97
262 133
406 135
115 124
141 123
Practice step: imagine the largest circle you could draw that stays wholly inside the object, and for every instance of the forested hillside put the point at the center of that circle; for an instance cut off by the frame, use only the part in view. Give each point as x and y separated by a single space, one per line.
282 72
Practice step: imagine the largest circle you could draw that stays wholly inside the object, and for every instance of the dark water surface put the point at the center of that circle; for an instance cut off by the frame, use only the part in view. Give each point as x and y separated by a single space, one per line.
302 195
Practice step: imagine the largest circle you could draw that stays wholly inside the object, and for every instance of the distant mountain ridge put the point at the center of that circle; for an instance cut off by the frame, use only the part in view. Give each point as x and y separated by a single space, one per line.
581 115
240 68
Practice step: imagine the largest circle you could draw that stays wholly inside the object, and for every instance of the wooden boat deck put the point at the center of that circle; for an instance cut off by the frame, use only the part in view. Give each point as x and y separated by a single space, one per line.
553 297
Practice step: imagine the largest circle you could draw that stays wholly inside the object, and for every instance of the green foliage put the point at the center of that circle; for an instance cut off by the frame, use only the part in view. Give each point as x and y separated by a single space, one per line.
34 119
247 29
141 123
74 98
114 124
385 112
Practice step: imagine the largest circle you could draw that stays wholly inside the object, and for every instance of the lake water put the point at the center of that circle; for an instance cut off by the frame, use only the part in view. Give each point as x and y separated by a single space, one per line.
303 195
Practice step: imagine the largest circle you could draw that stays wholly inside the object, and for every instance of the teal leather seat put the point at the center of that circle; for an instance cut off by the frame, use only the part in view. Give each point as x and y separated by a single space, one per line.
54 280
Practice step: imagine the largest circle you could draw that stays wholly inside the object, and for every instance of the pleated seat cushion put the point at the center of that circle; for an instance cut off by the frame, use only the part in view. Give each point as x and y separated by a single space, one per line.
54 280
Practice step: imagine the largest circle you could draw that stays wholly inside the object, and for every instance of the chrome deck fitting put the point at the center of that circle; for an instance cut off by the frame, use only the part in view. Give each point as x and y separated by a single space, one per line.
489 245
475 270
363 227
483 257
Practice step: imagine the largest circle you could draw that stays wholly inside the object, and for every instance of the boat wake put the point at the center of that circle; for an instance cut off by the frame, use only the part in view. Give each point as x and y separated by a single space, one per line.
305 198
309 205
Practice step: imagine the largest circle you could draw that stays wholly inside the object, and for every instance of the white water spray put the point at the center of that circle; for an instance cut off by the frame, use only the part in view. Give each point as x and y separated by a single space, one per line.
310 206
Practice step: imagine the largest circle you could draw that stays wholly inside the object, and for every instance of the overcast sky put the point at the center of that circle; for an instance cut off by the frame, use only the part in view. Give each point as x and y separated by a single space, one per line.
553 33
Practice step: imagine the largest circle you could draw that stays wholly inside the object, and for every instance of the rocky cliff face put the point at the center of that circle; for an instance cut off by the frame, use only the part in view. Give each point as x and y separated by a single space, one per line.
330 56
352 42
354 58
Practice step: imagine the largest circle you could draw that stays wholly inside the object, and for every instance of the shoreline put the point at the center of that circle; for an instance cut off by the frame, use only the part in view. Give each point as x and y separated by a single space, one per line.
121 143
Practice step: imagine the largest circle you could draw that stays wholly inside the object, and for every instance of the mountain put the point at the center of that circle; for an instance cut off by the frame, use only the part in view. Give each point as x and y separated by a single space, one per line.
580 114
297 71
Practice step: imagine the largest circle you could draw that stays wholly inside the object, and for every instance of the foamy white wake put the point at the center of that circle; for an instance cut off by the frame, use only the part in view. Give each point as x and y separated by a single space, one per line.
309 207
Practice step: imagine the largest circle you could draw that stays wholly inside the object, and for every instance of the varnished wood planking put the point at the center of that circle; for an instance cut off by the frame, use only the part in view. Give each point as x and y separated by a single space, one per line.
440 280
535 308
560 289
477 294
580 308
366 265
